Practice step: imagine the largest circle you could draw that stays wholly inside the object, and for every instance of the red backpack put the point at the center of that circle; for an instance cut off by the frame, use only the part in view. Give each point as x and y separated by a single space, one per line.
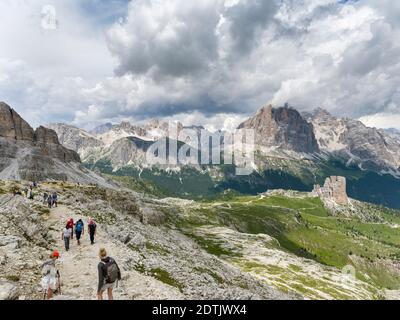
70 225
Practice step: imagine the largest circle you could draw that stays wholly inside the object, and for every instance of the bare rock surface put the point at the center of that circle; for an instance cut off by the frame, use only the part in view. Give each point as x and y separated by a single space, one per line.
37 155
284 128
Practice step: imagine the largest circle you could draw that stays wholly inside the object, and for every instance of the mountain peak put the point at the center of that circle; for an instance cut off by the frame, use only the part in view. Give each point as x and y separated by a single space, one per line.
12 126
321 111
266 108
153 122
282 127
36 155
101 128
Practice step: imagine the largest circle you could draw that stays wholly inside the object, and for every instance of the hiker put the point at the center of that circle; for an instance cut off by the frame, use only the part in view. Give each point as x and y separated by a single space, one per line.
79 230
45 197
51 276
92 229
54 196
66 236
70 225
30 194
50 201
109 275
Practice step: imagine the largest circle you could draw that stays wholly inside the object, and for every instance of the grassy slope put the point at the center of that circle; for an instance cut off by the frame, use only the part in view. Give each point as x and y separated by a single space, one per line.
304 227
274 173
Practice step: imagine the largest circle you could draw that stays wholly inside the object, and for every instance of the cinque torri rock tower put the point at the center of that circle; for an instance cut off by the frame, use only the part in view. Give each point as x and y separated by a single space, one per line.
333 189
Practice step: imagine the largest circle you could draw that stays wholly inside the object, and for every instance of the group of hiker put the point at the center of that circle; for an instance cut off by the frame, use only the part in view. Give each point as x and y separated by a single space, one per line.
26 191
51 199
108 271
78 229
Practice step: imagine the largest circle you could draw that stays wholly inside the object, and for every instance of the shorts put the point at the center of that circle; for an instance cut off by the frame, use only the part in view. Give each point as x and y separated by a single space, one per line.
49 282
107 286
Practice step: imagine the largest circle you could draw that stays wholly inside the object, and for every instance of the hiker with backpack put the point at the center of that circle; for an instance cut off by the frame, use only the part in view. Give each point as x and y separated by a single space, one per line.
51 276
50 201
55 197
66 236
45 197
92 229
79 230
109 275
30 194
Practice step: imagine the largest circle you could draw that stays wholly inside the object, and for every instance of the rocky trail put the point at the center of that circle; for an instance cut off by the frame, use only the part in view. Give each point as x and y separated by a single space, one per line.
157 259
78 266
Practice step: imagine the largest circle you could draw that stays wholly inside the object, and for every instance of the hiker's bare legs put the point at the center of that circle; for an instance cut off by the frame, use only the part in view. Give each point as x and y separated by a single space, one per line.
100 295
110 294
49 294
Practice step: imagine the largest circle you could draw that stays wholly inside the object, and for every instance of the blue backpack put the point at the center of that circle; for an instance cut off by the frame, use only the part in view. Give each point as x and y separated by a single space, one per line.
79 226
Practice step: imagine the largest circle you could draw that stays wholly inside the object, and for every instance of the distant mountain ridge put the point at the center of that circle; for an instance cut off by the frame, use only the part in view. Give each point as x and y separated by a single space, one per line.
281 128
101 129
394 133
369 148
293 150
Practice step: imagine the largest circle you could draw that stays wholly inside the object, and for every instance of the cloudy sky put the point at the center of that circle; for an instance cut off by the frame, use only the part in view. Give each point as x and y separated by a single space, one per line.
210 62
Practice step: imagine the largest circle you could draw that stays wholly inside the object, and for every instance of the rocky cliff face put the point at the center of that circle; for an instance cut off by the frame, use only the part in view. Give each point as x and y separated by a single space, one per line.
369 148
36 155
82 142
126 151
283 128
152 131
394 133
122 144
12 126
45 136
101 128
15 130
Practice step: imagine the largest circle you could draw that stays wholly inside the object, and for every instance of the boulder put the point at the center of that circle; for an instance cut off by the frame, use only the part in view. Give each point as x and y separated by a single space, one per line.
8 291
10 242
151 217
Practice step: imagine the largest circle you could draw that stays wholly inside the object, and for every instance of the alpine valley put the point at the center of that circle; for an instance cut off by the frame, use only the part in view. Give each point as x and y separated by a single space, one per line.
292 151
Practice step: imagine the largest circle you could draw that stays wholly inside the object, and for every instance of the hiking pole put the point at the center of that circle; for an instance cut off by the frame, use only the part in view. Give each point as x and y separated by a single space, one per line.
59 283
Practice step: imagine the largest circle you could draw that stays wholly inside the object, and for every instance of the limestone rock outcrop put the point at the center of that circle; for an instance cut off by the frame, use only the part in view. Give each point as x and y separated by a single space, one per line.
44 135
84 143
8 291
284 128
47 140
333 189
26 154
12 126
356 144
